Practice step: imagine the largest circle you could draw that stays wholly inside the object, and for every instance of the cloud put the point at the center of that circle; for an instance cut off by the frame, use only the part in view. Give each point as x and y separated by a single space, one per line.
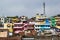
28 7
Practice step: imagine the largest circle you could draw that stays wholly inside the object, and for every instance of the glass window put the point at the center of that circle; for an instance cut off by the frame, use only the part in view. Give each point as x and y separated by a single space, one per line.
58 24
2 19
15 25
19 25
37 29
8 25
35 25
42 25
1 25
48 25
38 25
22 18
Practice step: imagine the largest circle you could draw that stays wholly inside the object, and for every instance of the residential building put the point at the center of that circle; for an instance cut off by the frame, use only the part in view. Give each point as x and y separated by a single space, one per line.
2 19
37 17
39 22
18 27
23 18
57 21
9 27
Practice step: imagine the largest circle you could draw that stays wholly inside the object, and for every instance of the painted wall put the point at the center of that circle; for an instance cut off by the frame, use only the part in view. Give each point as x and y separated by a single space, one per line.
10 27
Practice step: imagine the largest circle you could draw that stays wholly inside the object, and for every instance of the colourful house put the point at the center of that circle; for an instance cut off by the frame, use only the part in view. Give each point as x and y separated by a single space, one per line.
53 22
23 18
18 27
2 19
1 25
12 19
37 17
29 26
39 21
57 23
9 27
45 26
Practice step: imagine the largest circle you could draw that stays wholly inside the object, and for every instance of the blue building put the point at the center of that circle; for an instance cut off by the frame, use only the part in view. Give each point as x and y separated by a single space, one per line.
45 26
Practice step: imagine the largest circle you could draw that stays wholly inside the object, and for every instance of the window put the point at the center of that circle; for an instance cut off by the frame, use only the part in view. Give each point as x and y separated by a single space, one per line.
37 29
22 18
35 25
15 25
58 24
42 25
19 25
1 25
48 25
2 19
8 25
38 25
24 21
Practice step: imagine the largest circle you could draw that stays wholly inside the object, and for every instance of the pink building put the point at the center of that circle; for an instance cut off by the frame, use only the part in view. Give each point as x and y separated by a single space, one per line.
18 27
29 26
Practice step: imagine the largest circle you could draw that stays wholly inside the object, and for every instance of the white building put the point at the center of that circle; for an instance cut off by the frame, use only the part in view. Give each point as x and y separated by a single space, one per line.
2 19
37 27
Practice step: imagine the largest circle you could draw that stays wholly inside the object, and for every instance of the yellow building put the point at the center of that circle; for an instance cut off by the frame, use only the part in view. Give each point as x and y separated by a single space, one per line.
40 22
57 19
13 19
57 26
40 19
8 26
37 17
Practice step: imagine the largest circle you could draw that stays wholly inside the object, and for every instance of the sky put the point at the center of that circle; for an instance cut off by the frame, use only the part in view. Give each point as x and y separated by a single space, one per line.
29 7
